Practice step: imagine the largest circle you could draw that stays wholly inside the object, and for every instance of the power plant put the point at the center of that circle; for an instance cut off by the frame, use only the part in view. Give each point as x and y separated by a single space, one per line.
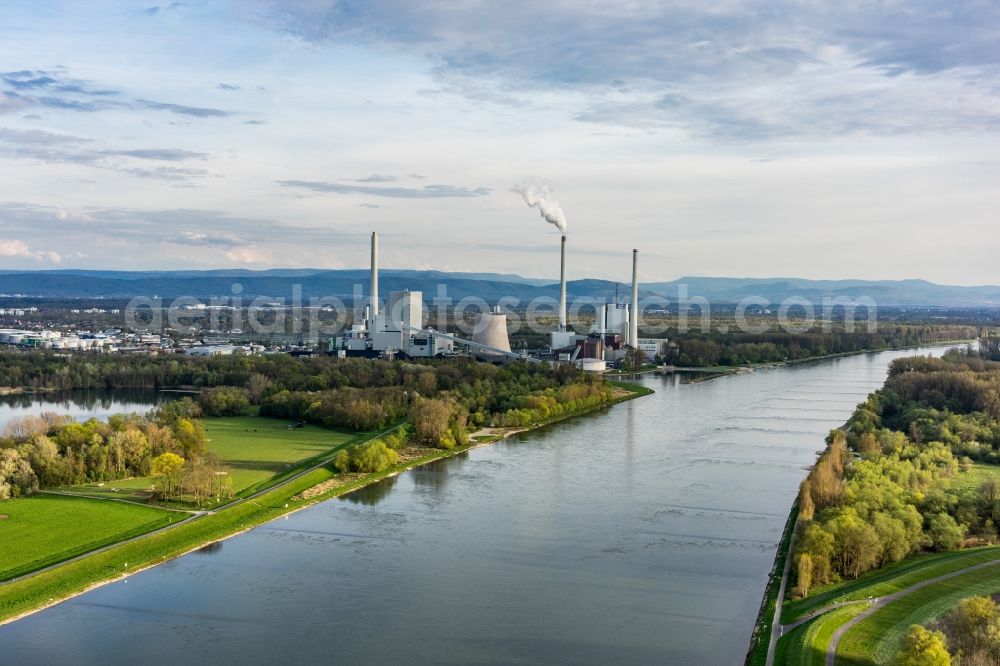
398 328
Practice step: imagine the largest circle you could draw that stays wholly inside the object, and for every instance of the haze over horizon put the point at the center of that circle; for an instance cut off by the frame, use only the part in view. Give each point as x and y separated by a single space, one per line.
748 139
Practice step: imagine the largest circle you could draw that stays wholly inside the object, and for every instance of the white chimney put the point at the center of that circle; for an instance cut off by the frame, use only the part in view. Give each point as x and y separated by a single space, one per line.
374 295
562 286
633 313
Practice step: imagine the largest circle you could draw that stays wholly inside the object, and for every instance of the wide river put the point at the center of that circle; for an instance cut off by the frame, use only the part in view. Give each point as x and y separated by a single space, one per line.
643 534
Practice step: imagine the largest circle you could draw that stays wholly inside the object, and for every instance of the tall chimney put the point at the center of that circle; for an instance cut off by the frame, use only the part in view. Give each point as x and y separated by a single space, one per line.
633 312
374 295
562 286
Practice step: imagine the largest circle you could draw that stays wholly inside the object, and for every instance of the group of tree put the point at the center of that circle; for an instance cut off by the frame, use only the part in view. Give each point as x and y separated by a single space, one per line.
884 489
968 635
443 400
733 349
49 450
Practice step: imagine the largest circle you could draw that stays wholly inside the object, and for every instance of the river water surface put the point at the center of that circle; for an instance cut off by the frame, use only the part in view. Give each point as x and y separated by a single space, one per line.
642 534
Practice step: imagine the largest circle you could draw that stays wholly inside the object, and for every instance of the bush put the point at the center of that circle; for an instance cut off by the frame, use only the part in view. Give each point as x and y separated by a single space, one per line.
223 401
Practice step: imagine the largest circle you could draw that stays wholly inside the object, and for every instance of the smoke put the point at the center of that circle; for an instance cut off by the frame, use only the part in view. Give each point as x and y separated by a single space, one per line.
538 194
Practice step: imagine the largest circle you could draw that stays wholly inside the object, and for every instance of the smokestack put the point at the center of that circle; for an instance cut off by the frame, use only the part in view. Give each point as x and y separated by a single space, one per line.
374 295
562 286
633 313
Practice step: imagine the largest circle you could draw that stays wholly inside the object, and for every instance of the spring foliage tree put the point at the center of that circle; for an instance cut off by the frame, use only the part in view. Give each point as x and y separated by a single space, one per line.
923 647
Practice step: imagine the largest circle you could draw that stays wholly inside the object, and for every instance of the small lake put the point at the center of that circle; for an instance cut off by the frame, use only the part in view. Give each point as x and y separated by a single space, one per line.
81 404
643 534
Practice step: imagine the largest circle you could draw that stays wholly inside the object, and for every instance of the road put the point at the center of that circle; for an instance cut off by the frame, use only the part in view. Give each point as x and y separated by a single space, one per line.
831 650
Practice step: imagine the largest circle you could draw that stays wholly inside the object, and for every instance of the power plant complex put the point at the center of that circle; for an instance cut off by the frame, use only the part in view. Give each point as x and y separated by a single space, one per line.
399 329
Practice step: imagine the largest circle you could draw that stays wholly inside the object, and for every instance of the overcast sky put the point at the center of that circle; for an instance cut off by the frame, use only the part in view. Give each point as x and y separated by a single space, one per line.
808 139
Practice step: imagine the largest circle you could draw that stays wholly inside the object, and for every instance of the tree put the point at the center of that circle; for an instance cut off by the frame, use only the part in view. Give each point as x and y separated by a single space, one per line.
922 647
807 508
431 419
258 386
167 466
190 436
223 401
989 498
868 444
16 476
804 572
970 628
634 358
944 532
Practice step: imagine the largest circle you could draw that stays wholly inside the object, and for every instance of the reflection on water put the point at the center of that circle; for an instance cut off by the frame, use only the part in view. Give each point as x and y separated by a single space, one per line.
211 548
81 404
370 495
641 534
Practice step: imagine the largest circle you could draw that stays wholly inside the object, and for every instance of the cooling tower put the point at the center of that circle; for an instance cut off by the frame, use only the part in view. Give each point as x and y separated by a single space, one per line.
633 315
491 330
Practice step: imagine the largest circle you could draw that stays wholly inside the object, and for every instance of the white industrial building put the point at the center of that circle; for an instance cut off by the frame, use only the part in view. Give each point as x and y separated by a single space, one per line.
399 329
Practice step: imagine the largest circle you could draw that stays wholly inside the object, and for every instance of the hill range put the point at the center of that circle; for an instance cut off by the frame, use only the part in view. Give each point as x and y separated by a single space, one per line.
277 283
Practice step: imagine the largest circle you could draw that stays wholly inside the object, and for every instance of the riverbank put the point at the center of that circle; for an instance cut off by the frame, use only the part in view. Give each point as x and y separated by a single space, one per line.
28 595
715 371
769 615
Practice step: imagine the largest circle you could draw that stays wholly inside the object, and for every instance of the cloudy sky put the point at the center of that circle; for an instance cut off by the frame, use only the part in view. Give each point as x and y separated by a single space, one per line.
810 139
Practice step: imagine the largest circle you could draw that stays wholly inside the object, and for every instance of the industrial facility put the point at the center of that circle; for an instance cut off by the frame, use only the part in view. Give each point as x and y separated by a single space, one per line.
398 329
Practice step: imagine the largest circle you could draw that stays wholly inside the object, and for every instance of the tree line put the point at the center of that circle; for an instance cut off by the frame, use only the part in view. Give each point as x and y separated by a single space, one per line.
732 349
885 488
50 450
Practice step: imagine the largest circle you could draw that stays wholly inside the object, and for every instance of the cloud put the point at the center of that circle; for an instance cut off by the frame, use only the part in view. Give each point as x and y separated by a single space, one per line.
16 248
65 149
156 9
161 154
199 238
427 192
744 69
54 90
38 138
183 110
376 178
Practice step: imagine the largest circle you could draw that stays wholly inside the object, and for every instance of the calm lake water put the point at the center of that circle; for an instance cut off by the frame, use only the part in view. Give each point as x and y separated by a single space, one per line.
643 534
81 405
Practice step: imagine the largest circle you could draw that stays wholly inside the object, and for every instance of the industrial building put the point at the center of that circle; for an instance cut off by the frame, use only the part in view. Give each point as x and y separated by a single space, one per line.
399 329
615 328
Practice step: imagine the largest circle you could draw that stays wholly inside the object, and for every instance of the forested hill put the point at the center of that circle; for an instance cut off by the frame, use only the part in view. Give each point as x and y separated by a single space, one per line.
490 286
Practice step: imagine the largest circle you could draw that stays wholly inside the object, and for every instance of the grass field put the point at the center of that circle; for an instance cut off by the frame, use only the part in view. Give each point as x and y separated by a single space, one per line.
967 484
44 529
889 579
807 643
255 449
877 639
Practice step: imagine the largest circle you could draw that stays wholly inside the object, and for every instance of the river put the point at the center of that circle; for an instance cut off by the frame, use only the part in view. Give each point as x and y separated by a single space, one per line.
643 534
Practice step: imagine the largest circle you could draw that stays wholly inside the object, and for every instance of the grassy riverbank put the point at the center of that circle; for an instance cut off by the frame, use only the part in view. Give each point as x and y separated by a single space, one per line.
877 638
759 640
30 594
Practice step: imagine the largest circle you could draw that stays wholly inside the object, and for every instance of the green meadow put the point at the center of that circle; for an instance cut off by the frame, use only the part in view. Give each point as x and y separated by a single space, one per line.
256 451
43 529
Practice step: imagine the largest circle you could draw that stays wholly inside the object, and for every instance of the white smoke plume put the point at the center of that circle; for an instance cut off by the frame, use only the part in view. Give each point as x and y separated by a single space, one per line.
538 194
